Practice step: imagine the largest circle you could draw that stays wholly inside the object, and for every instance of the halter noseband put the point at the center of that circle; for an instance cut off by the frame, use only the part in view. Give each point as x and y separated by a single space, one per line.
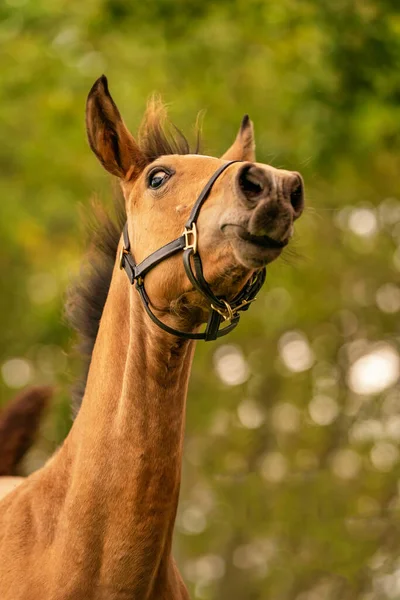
220 309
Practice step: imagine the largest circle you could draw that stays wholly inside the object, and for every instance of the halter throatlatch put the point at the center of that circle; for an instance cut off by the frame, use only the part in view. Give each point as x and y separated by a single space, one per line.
220 309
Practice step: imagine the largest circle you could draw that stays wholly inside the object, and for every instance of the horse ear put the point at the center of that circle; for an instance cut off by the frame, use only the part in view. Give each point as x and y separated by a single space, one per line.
244 147
108 136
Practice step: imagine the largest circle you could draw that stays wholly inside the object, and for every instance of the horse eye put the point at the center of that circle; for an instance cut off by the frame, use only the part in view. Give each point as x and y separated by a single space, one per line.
157 179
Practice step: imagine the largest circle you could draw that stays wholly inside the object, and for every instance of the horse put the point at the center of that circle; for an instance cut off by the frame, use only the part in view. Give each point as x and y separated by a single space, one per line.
190 248
19 423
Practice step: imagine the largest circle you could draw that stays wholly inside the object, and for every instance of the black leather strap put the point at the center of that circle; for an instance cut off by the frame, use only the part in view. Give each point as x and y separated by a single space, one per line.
159 255
183 334
220 310
204 193
213 325
196 282
133 270
203 285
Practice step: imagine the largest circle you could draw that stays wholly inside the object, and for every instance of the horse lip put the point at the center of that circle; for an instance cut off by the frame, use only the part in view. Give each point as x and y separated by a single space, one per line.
264 241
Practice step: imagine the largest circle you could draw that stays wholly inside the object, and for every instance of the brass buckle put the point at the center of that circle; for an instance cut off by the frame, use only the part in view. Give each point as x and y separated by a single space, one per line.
192 232
227 314
121 257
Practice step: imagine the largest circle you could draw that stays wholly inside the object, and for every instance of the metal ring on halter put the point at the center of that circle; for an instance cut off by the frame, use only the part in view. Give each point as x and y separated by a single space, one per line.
227 313
220 310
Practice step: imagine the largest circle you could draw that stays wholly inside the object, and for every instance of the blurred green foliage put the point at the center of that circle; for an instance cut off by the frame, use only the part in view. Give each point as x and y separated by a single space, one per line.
291 473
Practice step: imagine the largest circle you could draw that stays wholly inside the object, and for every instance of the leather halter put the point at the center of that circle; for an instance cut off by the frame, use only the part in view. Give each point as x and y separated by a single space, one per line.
220 309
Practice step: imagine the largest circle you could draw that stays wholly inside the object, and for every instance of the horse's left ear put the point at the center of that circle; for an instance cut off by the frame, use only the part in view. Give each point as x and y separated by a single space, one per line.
108 136
244 147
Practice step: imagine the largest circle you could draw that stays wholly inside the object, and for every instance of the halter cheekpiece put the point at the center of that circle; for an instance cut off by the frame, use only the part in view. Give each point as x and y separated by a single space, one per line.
220 310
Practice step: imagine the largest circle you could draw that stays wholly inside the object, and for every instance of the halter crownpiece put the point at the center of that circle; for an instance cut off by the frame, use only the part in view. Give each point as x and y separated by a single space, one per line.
220 309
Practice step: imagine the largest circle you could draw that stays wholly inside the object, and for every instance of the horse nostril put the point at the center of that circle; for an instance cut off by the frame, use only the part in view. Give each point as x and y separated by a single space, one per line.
297 197
252 182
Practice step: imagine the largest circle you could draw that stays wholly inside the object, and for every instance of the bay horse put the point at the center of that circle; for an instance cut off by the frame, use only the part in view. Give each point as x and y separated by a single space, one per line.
96 522
19 422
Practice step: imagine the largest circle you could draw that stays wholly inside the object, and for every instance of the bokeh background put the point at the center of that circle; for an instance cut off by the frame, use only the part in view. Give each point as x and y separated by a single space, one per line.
291 473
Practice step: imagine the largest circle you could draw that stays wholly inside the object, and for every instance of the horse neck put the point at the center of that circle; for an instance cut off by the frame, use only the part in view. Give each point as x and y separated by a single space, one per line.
126 443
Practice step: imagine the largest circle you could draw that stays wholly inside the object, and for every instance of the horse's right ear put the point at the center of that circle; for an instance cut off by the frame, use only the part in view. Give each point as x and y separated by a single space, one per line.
108 136
244 147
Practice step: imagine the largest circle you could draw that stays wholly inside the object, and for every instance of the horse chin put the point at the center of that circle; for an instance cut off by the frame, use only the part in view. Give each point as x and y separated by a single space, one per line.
252 255
252 251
